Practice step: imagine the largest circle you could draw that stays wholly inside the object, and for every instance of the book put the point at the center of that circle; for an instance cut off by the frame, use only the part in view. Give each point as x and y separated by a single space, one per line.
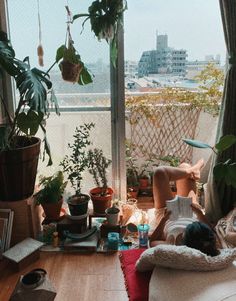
5 235
24 253
180 207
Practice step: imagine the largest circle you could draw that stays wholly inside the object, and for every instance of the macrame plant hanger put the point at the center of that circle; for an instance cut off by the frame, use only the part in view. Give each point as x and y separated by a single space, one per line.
40 47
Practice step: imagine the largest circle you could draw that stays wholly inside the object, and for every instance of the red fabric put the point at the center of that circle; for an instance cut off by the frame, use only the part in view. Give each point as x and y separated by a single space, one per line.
136 283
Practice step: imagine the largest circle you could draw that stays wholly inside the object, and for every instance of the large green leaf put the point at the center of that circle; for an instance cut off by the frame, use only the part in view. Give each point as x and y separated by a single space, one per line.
60 53
225 142
85 77
29 122
225 172
32 85
196 143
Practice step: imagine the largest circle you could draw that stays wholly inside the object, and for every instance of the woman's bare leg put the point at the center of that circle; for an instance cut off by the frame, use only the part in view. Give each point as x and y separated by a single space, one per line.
163 175
187 186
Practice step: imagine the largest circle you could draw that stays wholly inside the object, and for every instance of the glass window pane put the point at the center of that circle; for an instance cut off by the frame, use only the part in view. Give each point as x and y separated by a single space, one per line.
79 104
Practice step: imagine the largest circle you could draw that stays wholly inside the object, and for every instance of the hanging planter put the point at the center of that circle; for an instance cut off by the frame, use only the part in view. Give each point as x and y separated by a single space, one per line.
70 72
105 18
70 63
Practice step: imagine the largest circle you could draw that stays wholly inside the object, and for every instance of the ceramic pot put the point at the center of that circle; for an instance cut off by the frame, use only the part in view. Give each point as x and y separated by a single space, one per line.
143 182
112 215
78 205
52 210
70 72
18 169
101 202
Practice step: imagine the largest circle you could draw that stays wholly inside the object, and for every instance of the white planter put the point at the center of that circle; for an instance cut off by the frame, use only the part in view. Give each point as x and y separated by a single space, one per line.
112 215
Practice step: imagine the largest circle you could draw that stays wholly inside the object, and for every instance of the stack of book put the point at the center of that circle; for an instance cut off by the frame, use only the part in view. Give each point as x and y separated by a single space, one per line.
6 222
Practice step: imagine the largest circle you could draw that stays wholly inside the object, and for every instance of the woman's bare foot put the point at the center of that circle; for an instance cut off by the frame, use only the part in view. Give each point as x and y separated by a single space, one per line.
195 170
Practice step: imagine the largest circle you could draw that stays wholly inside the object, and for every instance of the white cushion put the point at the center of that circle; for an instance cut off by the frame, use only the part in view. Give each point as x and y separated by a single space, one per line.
179 285
184 258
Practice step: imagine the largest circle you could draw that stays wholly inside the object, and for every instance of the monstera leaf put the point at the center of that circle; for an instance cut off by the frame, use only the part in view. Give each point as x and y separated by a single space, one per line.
33 85
29 122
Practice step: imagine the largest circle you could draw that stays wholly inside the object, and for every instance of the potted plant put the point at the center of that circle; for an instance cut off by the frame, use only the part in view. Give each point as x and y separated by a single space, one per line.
112 215
105 17
101 196
19 149
131 172
70 63
50 196
74 165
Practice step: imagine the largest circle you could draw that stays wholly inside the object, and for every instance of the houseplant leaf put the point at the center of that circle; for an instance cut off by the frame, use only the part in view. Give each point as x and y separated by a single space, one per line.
85 77
196 143
32 90
225 142
29 122
226 172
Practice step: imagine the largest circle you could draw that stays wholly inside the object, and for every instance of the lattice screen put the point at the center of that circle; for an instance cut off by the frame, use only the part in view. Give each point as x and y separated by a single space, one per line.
159 129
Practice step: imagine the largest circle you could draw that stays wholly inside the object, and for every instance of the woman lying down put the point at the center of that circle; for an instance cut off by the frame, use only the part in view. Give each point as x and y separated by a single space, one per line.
198 249
195 232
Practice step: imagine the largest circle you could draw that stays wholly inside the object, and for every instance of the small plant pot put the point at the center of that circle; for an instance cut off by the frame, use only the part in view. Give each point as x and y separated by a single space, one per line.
112 215
78 205
101 202
132 192
143 182
70 72
52 210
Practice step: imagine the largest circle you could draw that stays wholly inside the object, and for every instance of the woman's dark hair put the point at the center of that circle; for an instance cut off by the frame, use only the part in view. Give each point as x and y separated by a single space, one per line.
201 237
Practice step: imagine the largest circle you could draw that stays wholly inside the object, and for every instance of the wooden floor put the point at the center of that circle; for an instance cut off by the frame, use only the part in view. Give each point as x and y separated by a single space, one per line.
76 277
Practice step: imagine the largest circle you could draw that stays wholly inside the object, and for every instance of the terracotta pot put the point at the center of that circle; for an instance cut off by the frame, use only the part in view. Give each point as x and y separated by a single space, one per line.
101 202
52 210
18 169
78 205
144 182
132 192
70 72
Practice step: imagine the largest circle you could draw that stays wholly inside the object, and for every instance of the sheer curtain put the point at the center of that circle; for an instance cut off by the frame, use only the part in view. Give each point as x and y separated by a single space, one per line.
221 198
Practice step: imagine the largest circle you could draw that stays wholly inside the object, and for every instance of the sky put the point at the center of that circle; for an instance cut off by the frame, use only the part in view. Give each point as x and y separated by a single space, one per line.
194 25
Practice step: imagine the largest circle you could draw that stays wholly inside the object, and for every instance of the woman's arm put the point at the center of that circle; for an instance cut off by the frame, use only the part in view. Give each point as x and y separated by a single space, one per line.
197 209
158 233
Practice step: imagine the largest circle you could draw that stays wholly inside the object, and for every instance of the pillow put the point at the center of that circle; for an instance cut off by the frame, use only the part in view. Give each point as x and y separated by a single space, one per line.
184 258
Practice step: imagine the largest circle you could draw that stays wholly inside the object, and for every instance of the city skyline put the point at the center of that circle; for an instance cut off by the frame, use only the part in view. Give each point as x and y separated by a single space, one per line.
192 25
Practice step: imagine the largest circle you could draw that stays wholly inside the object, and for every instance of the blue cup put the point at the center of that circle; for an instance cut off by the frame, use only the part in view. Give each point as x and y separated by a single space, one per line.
113 240
143 235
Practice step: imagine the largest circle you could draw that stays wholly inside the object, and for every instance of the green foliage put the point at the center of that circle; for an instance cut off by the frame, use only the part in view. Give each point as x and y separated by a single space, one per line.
196 143
131 166
77 162
105 16
225 142
52 188
69 54
223 171
172 160
134 172
33 86
206 98
98 165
